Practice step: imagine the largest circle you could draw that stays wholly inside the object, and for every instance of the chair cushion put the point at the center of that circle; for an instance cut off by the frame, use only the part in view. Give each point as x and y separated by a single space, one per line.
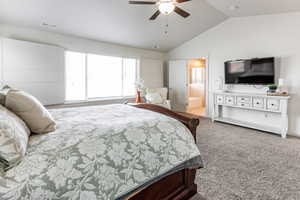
162 91
30 110
14 136
154 98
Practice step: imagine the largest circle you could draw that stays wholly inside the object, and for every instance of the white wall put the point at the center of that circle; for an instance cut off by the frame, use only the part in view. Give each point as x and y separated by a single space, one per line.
152 73
73 43
249 37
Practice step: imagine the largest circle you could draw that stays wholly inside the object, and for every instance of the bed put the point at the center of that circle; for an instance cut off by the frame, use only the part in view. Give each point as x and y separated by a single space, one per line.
110 152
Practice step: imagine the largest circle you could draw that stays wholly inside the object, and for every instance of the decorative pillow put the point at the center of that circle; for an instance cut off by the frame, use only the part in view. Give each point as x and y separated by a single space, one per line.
154 98
30 110
3 94
14 136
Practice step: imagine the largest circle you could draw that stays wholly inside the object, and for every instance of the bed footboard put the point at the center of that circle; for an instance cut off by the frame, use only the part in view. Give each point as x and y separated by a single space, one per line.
190 123
180 185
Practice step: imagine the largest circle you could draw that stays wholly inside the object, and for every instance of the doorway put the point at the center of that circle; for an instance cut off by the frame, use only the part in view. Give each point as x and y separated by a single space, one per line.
197 70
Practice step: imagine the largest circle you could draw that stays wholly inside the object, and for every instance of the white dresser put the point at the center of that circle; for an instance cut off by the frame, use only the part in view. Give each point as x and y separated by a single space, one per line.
255 102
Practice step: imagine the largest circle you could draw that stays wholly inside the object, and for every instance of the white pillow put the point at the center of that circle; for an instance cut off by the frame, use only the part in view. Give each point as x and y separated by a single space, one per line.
154 98
30 110
13 139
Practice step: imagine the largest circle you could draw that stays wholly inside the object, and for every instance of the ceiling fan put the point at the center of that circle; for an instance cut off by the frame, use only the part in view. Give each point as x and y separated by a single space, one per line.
165 7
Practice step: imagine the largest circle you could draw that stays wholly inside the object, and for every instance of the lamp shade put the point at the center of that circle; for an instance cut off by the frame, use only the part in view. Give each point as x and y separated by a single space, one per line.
281 82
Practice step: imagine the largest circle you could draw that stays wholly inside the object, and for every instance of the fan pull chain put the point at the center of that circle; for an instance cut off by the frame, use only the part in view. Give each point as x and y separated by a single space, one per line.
166 31
167 25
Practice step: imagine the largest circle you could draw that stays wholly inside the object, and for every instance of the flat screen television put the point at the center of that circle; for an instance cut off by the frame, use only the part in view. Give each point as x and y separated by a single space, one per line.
258 71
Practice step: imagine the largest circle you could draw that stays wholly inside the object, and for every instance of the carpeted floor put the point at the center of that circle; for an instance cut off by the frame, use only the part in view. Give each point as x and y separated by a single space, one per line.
245 164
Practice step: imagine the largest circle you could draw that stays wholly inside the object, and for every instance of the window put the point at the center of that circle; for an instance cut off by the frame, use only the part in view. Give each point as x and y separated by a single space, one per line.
75 76
129 76
104 76
90 76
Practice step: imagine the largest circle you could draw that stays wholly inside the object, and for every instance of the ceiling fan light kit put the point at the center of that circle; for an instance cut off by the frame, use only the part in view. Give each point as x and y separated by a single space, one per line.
165 7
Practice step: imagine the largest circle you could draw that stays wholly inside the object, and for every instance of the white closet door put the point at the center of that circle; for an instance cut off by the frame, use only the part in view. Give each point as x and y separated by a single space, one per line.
35 68
178 84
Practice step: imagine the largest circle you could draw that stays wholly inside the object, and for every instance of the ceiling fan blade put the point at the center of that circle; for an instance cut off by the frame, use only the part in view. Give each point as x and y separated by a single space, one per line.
142 2
181 1
181 12
155 15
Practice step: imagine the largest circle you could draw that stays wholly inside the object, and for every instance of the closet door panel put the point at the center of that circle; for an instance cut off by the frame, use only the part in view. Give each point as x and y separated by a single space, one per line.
35 68
178 84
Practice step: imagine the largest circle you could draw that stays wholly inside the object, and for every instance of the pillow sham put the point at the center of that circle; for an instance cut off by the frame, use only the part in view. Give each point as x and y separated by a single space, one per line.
30 110
154 98
3 94
14 136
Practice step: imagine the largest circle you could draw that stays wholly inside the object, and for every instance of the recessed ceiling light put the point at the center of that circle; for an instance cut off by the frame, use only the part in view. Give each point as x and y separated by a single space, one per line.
48 25
234 7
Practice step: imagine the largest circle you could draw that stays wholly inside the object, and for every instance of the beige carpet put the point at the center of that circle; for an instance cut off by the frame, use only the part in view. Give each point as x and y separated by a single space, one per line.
244 164
198 197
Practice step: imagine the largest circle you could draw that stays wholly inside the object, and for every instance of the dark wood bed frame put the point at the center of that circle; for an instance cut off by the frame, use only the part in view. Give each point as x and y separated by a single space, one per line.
180 185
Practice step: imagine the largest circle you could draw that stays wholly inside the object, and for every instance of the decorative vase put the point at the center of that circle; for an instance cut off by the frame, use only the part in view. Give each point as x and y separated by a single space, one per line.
272 90
138 97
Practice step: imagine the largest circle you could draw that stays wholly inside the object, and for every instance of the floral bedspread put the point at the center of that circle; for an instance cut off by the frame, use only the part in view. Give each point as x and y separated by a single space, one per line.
98 152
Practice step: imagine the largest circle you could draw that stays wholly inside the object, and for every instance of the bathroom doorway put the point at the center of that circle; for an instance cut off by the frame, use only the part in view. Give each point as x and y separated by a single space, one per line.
197 86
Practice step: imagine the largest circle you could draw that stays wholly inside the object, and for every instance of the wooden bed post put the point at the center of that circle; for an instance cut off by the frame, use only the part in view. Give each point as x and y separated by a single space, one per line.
180 185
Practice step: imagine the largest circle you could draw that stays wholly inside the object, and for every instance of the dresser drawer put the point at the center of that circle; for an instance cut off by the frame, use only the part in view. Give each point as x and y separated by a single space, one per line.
229 100
258 103
244 99
273 104
241 104
219 99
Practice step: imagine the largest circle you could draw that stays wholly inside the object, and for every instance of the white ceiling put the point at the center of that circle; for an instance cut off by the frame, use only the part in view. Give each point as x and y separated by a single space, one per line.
255 7
112 20
118 22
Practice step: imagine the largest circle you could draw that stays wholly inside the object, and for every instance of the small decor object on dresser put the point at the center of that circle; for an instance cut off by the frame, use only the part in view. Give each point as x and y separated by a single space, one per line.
282 86
272 88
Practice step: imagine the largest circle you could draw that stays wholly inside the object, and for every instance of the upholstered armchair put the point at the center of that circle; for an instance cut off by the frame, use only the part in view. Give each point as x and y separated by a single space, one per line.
158 96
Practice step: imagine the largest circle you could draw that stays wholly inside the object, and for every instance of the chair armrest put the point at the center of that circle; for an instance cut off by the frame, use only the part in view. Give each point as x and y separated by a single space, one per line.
168 103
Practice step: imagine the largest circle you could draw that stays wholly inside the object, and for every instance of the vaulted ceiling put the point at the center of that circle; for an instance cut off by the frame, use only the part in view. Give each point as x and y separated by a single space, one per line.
118 22
112 20
241 8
